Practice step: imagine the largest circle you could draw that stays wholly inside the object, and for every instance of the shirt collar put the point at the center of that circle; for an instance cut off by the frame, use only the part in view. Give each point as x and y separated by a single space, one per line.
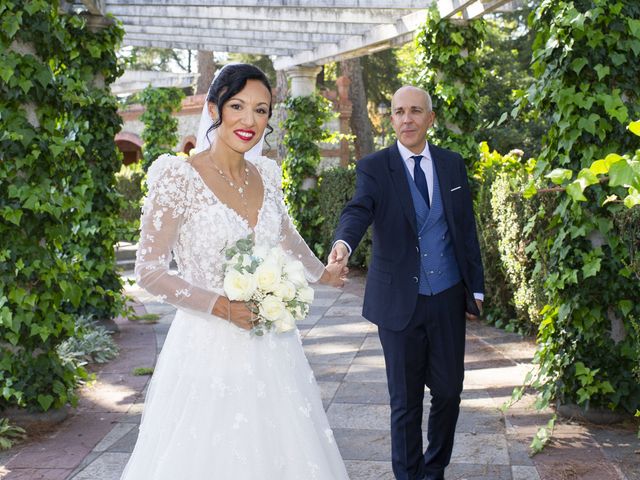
406 154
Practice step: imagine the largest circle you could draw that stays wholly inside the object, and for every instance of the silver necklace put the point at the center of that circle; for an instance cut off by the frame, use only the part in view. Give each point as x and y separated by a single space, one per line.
240 189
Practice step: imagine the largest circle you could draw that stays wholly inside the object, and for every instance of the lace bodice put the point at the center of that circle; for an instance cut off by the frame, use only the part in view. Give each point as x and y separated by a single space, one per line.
182 215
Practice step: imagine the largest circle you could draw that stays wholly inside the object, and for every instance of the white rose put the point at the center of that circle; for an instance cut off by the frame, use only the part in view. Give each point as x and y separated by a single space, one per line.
271 308
285 323
268 275
306 295
239 286
294 271
285 290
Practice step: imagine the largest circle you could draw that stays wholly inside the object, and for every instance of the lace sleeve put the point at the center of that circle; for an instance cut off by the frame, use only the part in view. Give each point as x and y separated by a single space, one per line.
163 214
290 240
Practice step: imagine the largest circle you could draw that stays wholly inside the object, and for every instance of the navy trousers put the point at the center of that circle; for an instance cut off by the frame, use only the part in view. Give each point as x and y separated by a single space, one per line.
430 351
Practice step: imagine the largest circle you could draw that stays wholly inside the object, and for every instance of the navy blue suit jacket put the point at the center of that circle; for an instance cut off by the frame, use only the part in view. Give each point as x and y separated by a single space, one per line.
382 199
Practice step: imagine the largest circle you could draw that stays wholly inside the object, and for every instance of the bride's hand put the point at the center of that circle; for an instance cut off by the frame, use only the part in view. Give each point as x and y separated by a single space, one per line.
236 312
335 274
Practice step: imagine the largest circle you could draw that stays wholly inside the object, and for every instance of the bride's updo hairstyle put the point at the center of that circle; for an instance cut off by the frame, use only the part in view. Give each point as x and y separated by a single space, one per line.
230 81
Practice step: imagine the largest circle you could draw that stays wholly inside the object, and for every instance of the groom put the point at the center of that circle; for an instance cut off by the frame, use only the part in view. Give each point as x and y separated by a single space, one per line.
425 273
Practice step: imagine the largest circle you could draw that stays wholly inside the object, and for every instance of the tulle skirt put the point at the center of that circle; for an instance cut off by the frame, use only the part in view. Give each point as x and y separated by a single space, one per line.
226 405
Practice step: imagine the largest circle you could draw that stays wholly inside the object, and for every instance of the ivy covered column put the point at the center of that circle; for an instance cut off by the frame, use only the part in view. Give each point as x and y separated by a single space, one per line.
58 207
307 113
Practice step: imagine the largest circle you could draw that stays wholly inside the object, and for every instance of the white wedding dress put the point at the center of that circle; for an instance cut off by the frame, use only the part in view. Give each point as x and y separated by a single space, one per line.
223 404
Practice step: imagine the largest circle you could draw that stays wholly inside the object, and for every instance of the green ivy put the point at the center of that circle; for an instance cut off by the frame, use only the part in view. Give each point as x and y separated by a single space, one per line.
304 126
448 67
58 208
587 65
160 134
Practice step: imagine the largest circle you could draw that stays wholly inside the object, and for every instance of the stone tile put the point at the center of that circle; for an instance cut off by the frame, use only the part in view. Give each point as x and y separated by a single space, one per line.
519 451
512 376
342 311
328 389
323 301
66 447
366 373
369 470
126 443
329 372
481 449
474 421
317 310
118 431
309 320
359 416
521 472
326 331
362 393
364 445
326 356
108 466
467 471
34 474
85 461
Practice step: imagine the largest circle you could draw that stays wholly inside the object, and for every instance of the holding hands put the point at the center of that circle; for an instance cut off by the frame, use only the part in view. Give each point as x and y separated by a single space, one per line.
335 273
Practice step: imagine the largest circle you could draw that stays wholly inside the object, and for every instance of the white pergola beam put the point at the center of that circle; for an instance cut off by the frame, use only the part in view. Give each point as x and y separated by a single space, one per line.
228 43
379 36
178 44
202 24
351 15
392 4
250 36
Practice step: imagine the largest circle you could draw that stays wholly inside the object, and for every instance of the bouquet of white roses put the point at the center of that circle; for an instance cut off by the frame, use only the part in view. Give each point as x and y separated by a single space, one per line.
273 283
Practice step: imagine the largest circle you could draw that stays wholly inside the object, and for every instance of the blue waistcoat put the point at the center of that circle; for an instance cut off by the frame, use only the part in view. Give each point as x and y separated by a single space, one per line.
439 268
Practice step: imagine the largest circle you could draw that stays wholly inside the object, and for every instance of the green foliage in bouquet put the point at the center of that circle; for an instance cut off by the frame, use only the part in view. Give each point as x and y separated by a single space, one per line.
160 132
58 207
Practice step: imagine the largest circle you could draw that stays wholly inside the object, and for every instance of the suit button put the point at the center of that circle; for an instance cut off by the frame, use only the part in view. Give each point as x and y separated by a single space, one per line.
415 279
418 249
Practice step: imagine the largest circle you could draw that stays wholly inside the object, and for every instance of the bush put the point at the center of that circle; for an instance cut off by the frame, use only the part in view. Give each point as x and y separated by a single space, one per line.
507 227
336 188
129 184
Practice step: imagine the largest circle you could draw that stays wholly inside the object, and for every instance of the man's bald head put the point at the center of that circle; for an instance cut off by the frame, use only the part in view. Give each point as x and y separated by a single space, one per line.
410 88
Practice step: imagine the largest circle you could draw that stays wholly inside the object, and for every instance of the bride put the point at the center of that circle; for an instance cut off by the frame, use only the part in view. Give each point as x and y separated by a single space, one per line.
224 404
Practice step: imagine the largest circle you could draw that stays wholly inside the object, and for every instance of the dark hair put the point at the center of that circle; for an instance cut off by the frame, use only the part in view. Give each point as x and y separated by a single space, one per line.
231 80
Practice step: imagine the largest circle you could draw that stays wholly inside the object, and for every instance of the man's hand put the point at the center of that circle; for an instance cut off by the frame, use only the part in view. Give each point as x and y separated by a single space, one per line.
475 317
339 254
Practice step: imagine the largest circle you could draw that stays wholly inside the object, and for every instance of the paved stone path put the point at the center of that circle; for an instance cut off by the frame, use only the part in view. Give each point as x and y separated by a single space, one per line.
345 354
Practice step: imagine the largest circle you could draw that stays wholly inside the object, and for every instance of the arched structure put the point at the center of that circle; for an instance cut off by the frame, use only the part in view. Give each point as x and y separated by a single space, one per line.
130 145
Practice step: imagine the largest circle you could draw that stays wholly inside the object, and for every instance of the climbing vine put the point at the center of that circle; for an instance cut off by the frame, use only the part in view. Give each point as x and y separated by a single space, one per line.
448 67
160 133
305 129
58 208
587 62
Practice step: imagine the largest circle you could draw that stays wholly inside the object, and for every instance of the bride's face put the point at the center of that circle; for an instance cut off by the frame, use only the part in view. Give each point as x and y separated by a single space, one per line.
244 117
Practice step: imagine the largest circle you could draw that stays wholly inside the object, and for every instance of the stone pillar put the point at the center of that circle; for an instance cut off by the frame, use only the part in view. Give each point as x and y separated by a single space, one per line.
345 108
303 80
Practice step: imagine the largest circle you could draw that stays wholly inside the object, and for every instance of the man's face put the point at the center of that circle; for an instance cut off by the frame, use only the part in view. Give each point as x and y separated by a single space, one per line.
411 118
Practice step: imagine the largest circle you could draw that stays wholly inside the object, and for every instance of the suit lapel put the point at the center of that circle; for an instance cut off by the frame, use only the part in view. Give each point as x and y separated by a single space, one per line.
399 179
442 168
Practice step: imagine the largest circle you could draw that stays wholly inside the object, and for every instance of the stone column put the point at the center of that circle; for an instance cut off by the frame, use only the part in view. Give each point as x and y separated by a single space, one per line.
345 108
303 80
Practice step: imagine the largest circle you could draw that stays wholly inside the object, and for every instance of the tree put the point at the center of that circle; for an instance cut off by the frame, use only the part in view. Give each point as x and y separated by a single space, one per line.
156 59
206 70
360 123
